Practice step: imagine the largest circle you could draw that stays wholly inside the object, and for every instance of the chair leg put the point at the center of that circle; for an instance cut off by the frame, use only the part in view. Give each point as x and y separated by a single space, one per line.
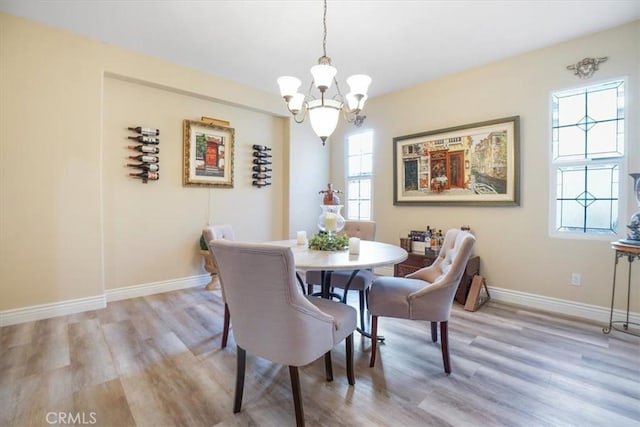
225 328
297 395
361 309
374 340
434 331
328 366
349 353
444 343
241 363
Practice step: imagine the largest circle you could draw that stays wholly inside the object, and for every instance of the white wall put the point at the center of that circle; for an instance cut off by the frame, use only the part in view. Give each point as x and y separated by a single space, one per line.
516 252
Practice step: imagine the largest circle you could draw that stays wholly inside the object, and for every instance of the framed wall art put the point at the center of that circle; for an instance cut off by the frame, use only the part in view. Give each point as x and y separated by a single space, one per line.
207 155
475 164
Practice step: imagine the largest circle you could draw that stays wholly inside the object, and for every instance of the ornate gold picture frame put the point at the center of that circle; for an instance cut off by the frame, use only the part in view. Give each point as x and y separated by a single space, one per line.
207 155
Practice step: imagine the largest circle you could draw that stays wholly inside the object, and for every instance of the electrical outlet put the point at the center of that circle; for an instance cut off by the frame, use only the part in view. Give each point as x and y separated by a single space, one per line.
576 279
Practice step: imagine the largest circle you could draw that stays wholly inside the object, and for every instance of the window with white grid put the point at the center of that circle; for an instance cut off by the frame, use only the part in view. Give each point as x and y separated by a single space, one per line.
359 171
587 154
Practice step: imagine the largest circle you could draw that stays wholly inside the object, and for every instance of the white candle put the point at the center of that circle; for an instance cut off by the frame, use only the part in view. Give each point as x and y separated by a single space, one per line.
354 246
330 221
302 237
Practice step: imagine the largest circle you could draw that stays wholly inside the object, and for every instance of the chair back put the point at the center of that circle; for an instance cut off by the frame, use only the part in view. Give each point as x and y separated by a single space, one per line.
270 315
442 277
216 232
365 230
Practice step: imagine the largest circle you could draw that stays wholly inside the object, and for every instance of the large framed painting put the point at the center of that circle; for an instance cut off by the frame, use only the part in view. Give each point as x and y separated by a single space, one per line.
475 164
207 155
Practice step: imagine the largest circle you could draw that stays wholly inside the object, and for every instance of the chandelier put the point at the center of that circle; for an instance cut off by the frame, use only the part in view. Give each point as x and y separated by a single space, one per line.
324 111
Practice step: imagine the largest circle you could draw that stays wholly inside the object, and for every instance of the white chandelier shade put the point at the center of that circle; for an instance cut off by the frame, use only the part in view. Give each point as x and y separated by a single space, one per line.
324 110
324 116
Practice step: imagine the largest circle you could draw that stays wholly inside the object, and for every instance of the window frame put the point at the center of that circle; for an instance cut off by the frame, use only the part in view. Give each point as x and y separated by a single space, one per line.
555 165
350 178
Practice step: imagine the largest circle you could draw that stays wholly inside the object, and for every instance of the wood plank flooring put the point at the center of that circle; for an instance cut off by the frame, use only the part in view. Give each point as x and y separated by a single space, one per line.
156 361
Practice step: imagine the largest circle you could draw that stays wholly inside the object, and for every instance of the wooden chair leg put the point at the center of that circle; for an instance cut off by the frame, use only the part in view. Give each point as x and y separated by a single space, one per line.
444 343
374 340
225 328
241 363
349 353
328 366
434 331
297 395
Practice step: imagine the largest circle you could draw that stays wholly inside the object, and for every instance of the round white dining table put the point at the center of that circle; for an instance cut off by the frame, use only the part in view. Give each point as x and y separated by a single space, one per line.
372 254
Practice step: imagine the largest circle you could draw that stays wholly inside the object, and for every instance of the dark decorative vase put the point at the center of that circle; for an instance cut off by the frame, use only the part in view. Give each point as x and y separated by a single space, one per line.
633 237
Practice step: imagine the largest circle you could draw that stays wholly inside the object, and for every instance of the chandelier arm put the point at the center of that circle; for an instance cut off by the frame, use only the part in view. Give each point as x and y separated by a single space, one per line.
302 113
335 81
348 115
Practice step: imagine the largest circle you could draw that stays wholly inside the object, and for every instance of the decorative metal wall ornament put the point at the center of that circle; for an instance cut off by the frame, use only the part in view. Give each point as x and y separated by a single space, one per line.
585 68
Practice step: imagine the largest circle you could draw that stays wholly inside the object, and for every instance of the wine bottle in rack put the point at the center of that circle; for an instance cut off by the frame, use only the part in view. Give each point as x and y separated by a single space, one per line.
152 176
145 139
261 147
152 167
145 159
146 131
261 169
260 154
261 176
145 149
261 162
261 183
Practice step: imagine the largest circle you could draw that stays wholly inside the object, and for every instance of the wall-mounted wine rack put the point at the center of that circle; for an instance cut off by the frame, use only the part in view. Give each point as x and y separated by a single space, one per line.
148 161
261 170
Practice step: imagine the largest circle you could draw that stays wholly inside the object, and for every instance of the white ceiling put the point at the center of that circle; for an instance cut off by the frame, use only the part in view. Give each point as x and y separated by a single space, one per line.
398 43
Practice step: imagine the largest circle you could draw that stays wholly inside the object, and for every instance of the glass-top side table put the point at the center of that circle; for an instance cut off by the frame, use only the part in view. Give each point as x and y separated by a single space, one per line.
631 252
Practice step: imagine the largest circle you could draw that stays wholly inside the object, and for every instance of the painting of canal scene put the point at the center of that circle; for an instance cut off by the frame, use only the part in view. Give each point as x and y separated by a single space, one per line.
474 164
208 155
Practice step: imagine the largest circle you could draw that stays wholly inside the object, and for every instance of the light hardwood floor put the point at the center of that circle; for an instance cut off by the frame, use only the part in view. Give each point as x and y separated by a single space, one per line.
155 361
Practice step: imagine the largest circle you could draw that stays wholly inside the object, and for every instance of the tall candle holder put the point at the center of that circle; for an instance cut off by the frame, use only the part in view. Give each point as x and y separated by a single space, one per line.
331 220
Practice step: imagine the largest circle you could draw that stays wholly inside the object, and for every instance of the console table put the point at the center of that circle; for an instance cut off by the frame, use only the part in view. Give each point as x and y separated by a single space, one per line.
631 252
415 262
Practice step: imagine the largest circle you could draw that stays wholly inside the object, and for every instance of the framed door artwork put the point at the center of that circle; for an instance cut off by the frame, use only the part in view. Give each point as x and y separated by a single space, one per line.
476 164
207 155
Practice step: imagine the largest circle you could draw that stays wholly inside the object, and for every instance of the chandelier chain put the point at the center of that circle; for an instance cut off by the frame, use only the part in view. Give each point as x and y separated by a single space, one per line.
324 24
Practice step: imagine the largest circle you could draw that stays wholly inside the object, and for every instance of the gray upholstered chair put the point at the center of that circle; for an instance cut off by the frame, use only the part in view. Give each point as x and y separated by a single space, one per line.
365 230
272 318
426 294
217 232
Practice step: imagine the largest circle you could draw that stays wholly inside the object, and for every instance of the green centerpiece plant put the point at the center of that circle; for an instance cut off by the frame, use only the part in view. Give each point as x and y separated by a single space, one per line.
328 242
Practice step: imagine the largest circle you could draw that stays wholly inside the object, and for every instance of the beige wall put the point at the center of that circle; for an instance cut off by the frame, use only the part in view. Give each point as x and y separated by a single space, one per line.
72 224
513 242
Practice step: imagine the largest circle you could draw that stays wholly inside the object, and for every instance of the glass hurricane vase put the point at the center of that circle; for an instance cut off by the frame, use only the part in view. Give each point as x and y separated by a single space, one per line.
331 220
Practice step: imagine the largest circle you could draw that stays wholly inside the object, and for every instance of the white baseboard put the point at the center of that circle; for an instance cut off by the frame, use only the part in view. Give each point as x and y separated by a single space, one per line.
560 306
553 305
62 308
45 311
156 287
